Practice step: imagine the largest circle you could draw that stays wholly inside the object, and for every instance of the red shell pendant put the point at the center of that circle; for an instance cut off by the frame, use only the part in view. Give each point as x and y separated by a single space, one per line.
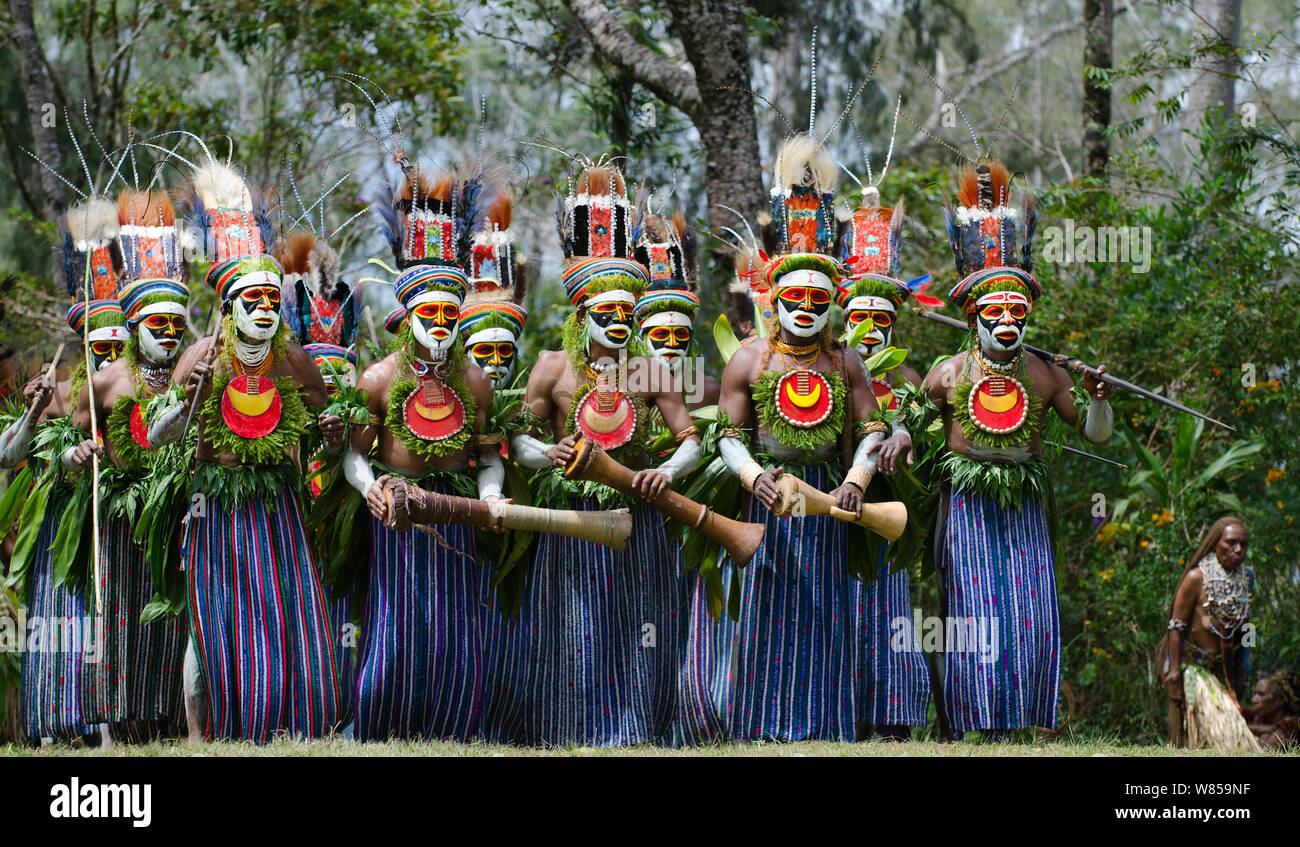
251 406
607 417
139 431
885 398
803 398
998 404
434 412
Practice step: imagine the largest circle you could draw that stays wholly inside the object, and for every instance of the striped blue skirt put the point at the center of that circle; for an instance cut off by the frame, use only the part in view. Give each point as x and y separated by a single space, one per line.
60 642
260 623
707 682
345 648
785 670
1003 669
893 680
138 678
420 667
592 656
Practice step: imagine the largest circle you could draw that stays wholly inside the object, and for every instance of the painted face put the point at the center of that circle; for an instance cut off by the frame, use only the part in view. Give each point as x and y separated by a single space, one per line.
609 319
497 359
880 314
257 312
105 353
1000 319
803 309
160 336
669 335
435 319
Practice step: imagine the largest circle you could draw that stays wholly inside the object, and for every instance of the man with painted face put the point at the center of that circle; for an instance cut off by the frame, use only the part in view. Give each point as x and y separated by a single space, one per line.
421 664
895 683
491 331
262 635
52 701
136 686
591 657
793 400
665 315
995 551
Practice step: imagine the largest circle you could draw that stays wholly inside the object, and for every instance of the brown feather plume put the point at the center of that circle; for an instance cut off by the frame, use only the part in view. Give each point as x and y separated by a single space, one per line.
145 208
986 186
499 212
597 180
296 252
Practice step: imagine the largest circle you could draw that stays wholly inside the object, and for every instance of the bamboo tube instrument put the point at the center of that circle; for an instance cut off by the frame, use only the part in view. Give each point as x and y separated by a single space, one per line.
741 539
410 505
887 519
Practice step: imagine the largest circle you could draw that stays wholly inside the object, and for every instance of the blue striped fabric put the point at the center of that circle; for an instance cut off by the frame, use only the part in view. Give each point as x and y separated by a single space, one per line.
592 656
421 671
138 678
999 565
706 685
345 649
51 674
893 685
260 622
795 641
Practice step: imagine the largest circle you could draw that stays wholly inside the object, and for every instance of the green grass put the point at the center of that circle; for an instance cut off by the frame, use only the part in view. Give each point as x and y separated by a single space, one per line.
342 747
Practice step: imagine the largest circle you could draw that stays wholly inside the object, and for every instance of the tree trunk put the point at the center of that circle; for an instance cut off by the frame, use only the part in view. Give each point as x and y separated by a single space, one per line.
715 36
711 89
41 114
1098 23
1218 22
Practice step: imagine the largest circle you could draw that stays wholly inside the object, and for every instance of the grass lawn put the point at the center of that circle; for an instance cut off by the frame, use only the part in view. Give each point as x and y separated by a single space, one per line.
344 747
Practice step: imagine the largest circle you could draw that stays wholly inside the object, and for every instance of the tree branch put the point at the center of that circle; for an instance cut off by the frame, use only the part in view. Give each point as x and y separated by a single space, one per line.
672 82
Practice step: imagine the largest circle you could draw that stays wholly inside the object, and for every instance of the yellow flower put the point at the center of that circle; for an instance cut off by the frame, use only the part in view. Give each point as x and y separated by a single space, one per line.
1107 574
1145 542
1273 475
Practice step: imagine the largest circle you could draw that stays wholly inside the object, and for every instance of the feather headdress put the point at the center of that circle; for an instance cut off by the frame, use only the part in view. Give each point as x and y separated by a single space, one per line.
986 233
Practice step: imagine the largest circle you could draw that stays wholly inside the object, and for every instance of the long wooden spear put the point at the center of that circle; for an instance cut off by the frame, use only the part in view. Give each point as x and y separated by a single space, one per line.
1078 367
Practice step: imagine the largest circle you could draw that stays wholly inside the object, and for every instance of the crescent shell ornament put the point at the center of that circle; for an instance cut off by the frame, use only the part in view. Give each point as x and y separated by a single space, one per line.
433 412
803 398
251 406
998 404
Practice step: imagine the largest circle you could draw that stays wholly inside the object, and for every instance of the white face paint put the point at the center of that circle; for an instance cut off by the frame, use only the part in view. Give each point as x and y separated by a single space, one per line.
493 350
609 318
870 307
669 336
159 330
435 320
256 306
106 345
1000 319
803 299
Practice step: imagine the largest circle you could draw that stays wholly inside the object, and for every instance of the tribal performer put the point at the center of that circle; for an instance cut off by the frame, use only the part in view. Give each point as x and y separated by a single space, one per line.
421 665
261 629
591 657
338 368
665 314
493 319
994 539
137 685
893 685
52 676
1203 661
797 398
